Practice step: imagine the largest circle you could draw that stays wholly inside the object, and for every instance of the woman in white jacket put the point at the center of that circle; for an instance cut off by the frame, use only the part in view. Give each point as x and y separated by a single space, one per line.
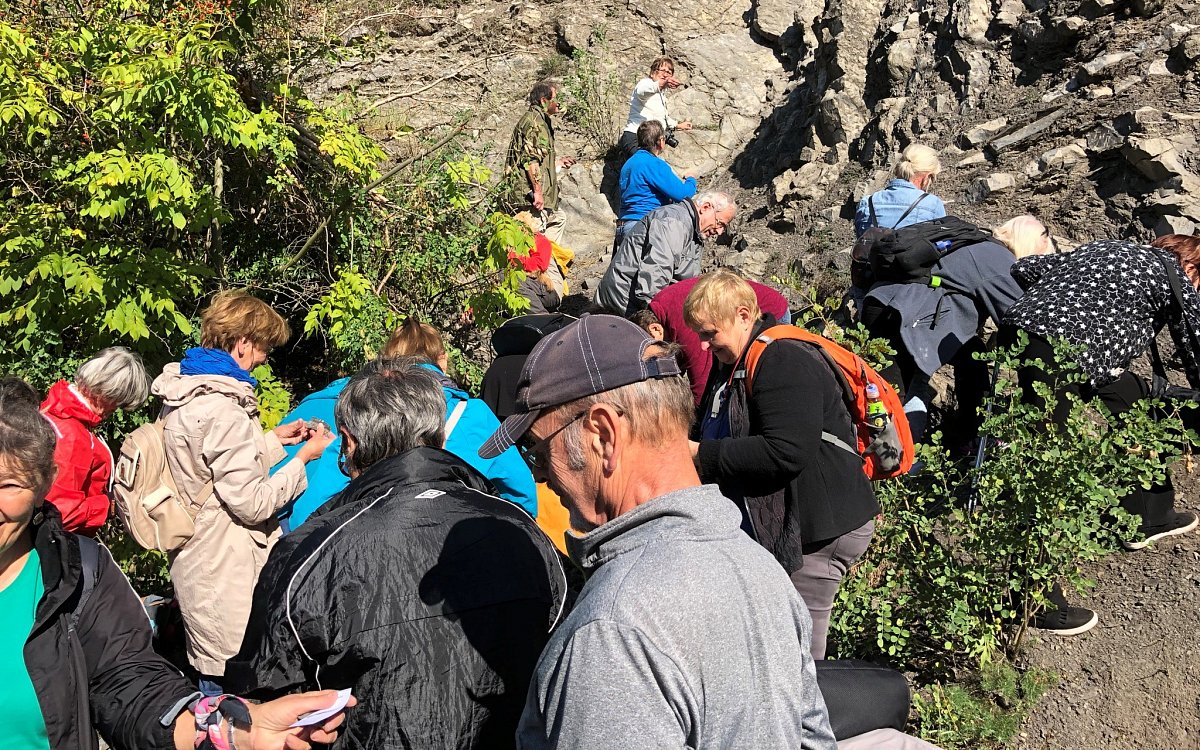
649 102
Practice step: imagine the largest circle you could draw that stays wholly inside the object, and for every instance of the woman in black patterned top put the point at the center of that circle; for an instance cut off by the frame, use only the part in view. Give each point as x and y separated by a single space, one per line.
1111 297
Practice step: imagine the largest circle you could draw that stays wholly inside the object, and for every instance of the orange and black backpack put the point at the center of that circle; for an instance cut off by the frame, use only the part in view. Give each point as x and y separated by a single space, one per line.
887 454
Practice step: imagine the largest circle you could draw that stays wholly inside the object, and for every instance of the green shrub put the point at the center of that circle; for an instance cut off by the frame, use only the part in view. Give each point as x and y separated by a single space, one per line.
943 587
983 712
122 125
594 100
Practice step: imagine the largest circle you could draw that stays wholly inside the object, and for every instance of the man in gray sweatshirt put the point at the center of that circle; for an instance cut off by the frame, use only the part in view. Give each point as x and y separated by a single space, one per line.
687 633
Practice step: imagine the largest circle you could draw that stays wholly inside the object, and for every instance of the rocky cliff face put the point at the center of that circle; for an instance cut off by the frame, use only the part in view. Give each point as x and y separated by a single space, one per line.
1085 113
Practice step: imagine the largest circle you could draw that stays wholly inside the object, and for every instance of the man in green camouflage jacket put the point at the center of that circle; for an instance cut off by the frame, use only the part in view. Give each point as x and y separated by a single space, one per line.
531 171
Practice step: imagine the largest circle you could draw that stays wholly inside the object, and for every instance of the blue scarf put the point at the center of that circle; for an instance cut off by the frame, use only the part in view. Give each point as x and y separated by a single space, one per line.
203 361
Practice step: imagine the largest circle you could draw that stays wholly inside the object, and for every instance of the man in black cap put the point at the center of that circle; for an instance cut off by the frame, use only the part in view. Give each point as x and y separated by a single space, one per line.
687 631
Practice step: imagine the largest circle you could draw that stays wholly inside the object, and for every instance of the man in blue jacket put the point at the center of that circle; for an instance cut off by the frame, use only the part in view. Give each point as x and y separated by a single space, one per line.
473 423
647 181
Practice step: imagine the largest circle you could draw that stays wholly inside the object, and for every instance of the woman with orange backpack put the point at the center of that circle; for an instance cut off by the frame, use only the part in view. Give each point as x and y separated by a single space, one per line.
782 445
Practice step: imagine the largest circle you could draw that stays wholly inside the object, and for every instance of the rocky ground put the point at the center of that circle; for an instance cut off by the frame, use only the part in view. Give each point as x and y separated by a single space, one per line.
1134 680
1083 112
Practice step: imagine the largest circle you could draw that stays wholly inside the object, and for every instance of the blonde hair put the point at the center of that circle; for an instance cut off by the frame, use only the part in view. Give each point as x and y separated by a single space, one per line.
415 339
1024 235
235 315
915 160
717 297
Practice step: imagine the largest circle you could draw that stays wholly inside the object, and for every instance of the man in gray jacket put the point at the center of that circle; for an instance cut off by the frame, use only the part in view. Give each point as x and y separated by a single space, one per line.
662 248
687 633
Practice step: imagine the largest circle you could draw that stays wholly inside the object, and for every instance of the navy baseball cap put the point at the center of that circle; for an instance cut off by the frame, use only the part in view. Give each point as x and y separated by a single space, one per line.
594 354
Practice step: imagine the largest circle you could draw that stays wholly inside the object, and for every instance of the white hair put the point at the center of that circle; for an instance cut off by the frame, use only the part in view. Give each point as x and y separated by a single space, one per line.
115 375
717 199
915 160
1025 236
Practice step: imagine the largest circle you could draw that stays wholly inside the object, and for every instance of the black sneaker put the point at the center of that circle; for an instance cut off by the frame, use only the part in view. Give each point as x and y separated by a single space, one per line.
1066 620
1177 523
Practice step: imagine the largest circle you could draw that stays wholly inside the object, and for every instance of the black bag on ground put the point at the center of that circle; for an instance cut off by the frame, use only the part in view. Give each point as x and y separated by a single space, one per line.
862 697
908 255
519 335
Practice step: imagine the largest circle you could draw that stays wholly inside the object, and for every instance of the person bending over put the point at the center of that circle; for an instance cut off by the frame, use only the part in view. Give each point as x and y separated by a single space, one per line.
415 586
647 181
804 497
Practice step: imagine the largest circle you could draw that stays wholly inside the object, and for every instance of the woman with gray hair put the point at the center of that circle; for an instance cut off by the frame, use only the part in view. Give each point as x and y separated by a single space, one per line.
114 378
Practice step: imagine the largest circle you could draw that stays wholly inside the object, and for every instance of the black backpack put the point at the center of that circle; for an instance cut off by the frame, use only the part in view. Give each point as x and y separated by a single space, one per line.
860 257
908 255
519 335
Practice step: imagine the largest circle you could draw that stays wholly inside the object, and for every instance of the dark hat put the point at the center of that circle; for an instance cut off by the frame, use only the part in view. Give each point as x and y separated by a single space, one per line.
594 354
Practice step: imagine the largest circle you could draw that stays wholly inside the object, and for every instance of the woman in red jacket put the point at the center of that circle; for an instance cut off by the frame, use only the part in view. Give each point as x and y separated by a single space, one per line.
113 379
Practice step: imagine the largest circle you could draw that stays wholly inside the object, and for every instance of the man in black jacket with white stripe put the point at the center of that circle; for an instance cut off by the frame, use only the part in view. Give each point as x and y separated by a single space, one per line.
416 587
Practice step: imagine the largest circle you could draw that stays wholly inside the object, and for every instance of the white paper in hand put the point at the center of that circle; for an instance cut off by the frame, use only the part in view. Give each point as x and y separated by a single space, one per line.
316 717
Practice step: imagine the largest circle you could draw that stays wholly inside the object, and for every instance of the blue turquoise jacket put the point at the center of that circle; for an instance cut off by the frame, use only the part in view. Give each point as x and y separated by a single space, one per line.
507 472
647 182
892 202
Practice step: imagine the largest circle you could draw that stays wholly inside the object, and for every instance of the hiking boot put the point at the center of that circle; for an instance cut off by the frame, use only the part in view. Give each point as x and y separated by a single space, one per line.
1065 620
1177 523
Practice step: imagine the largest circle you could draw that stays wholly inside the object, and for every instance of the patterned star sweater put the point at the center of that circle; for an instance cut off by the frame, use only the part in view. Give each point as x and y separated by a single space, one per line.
1111 297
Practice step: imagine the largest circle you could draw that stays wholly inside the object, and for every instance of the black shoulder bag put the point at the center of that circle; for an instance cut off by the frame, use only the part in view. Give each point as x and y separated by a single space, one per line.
1160 387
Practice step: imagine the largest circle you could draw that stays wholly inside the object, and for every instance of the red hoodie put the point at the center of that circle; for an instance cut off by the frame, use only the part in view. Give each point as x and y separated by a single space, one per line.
539 257
80 491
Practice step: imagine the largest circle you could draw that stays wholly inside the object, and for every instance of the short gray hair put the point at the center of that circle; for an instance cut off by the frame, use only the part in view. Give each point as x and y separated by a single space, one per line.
659 410
719 200
389 407
117 376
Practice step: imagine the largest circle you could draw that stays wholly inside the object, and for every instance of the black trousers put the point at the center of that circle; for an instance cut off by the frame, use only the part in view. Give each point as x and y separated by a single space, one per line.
972 379
627 145
1153 505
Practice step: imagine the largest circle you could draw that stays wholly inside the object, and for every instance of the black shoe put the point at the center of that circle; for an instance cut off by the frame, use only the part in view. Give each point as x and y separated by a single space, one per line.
1065 620
1177 523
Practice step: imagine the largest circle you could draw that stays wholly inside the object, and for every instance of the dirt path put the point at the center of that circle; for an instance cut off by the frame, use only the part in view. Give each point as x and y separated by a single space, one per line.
1134 680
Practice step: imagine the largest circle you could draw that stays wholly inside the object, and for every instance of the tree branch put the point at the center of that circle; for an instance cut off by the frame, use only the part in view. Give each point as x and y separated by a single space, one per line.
382 179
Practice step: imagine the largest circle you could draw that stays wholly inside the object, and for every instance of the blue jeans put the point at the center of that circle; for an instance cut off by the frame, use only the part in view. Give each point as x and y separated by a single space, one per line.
209 687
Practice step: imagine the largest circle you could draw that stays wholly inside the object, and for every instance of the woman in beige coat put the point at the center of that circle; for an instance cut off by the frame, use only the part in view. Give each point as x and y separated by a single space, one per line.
219 455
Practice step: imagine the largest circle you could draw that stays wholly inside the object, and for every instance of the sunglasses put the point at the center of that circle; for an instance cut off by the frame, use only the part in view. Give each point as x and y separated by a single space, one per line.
531 450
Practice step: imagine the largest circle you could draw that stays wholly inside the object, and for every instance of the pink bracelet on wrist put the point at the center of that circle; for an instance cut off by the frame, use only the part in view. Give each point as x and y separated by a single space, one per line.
210 712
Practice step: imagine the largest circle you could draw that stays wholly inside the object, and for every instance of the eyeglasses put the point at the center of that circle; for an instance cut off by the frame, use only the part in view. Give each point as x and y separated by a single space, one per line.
530 450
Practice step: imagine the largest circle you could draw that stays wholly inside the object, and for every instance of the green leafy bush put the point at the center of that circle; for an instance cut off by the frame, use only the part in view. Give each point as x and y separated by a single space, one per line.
984 711
963 556
594 99
140 163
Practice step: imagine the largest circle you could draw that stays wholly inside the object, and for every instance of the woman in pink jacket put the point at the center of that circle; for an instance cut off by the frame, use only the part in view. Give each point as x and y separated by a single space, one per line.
113 379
